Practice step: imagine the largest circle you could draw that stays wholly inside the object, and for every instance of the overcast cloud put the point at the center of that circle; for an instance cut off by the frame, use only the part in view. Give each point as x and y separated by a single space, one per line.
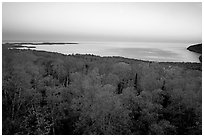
133 22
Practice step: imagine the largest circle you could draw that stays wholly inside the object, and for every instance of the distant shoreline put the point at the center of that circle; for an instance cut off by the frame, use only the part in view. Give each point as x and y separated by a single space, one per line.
20 44
40 43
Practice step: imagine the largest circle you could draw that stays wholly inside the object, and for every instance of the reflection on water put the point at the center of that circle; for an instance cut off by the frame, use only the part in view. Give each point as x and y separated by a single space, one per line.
145 51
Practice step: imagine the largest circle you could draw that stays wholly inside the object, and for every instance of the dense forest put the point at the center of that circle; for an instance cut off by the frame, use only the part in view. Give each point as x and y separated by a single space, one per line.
52 93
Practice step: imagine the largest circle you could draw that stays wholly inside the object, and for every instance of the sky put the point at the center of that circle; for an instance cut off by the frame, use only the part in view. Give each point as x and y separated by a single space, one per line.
115 22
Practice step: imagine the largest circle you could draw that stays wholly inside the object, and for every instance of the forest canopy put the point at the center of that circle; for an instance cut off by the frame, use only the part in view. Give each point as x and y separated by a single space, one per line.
51 93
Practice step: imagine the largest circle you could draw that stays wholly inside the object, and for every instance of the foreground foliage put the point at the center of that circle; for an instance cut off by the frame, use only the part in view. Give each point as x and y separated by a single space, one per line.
50 93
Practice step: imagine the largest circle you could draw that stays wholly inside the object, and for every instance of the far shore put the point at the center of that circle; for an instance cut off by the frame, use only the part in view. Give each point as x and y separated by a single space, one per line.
41 43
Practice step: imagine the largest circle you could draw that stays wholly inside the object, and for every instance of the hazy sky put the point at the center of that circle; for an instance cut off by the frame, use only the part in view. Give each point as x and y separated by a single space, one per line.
133 22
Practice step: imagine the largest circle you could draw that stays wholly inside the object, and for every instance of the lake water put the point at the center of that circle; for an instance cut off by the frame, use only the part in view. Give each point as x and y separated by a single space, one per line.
165 52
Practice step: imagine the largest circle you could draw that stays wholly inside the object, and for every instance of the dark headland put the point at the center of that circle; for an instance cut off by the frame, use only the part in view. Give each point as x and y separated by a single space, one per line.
196 48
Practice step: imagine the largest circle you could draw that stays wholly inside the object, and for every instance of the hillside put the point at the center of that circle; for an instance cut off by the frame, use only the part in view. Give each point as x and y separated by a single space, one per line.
52 93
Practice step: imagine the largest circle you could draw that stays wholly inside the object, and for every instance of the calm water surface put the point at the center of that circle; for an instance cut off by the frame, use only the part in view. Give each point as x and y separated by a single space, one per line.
165 52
